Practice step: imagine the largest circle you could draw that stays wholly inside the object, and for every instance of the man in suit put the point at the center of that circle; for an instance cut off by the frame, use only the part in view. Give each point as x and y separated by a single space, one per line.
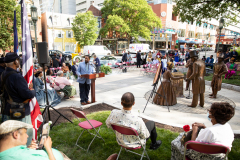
139 59
84 83
187 56
209 61
124 57
55 61
61 60
234 54
197 77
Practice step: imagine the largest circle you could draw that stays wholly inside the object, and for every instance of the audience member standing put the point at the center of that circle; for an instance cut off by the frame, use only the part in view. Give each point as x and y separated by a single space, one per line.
55 61
61 60
187 56
176 59
144 58
139 59
18 92
97 63
124 57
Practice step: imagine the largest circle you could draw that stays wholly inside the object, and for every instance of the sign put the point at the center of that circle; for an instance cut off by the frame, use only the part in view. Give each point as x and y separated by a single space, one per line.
163 14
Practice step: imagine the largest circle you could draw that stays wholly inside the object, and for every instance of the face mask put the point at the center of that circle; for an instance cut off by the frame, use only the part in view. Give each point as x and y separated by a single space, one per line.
208 117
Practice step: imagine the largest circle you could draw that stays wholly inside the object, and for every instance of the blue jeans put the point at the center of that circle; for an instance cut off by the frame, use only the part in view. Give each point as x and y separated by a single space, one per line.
27 120
209 64
84 91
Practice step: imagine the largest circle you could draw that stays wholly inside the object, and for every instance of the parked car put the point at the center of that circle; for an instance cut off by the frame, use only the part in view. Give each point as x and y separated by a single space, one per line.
66 56
108 60
97 50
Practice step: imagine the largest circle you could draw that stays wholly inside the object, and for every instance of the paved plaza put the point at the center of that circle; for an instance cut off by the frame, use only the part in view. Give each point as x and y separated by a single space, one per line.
110 89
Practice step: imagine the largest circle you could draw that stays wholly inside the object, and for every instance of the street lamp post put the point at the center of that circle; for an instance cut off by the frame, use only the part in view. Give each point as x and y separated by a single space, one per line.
221 24
34 16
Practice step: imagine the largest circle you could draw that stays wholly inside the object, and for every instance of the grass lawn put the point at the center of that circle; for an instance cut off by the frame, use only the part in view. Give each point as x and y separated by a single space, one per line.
235 81
64 137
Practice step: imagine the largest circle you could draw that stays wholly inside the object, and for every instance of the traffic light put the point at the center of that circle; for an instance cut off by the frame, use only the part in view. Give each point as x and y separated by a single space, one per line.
166 35
196 35
160 34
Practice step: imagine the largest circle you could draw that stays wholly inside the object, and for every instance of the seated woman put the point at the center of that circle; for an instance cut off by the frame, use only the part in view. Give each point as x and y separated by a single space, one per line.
66 71
62 84
49 78
220 133
53 97
232 68
166 88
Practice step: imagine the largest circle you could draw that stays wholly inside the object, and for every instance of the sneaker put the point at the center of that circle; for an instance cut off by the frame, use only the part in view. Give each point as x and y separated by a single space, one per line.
156 145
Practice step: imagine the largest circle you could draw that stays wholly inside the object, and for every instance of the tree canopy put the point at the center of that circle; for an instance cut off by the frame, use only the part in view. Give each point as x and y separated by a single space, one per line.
7 8
197 10
85 28
130 18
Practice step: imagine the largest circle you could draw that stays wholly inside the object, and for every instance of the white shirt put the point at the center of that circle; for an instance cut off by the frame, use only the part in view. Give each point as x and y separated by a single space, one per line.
128 119
154 55
218 133
164 63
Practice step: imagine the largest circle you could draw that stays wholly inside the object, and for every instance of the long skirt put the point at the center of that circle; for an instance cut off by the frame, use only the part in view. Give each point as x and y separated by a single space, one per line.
166 88
53 97
177 152
69 91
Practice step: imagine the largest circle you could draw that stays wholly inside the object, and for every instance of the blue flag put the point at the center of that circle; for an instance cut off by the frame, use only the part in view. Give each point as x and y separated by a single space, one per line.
15 34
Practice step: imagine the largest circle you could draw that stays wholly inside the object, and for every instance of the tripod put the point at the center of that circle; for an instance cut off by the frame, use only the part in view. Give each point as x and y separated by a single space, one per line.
49 106
154 91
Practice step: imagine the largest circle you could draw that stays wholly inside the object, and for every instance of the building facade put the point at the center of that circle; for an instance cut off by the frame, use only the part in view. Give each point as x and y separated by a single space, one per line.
59 32
58 6
83 5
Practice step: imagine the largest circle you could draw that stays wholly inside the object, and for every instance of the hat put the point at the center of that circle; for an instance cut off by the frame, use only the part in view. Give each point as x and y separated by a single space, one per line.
12 125
232 59
2 60
193 53
221 55
10 57
170 64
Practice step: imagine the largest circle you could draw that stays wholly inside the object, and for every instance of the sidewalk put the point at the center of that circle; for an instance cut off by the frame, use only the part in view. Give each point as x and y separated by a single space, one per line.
110 89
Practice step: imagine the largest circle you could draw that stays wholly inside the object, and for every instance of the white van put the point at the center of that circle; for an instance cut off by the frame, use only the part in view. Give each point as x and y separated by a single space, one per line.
134 48
96 49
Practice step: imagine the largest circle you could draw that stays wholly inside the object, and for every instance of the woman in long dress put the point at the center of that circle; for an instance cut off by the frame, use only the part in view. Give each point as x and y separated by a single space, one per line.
53 97
62 84
166 87
176 57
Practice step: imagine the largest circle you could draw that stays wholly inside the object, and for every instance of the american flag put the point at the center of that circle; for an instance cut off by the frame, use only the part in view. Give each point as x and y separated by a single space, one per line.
27 69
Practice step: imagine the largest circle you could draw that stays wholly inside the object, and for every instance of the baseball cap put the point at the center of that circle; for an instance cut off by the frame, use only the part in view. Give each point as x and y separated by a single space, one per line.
12 125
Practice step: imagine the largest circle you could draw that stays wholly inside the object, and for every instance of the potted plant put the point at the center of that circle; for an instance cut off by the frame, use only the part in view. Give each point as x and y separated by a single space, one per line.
105 69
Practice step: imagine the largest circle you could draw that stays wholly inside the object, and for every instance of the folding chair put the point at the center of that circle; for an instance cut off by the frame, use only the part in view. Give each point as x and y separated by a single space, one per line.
129 131
207 148
86 125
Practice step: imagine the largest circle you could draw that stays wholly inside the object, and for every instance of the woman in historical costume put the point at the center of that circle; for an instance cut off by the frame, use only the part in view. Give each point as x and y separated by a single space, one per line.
232 68
62 84
220 132
53 97
166 87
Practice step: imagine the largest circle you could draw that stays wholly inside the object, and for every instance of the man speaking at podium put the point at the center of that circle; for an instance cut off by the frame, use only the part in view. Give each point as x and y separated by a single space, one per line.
84 83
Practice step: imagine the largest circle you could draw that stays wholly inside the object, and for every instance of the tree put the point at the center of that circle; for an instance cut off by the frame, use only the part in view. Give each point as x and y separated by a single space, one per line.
197 10
129 18
85 28
7 8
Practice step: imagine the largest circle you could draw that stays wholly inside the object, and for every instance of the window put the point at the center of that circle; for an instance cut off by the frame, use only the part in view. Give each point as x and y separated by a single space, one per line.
81 3
100 4
174 18
69 34
82 10
68 22
59 34
181 33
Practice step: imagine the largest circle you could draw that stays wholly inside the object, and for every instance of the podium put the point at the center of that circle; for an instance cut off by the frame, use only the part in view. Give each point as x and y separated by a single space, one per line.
93 78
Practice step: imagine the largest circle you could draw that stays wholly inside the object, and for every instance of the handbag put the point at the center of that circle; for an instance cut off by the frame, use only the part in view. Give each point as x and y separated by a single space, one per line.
187 136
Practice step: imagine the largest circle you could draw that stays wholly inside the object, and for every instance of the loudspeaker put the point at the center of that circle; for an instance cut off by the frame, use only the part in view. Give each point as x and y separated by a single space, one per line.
42 52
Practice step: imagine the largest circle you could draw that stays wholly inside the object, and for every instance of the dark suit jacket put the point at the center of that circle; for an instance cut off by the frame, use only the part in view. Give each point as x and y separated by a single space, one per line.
124 57
74 69
62 61
207 61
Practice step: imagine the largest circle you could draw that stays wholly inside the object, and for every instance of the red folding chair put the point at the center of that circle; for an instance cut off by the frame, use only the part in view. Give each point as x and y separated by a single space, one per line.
86 125
129 131
207 148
